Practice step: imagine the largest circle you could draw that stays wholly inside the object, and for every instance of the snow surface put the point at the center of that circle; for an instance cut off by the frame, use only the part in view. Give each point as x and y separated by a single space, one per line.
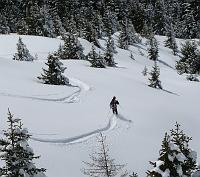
65 120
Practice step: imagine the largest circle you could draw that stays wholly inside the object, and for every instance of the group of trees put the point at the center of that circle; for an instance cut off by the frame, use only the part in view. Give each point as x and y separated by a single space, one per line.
92 19
176 158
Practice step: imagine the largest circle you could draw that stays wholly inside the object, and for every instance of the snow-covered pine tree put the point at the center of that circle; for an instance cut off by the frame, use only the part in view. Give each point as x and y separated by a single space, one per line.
47 20
16 152
123 37
171 41
4 28
154 77
34 19
101 163
190 59
90 33
153 48
181 140
95 59
72 48
169 161
128 35
22 52
110 49
53 74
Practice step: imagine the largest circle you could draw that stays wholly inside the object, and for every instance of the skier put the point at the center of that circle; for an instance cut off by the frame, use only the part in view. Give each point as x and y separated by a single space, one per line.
113 105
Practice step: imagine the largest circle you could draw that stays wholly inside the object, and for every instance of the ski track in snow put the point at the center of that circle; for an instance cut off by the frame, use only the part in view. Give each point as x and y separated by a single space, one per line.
84 137
72 98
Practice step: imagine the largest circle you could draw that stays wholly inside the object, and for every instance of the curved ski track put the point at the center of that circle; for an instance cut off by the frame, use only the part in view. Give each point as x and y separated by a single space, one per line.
112 123
72 98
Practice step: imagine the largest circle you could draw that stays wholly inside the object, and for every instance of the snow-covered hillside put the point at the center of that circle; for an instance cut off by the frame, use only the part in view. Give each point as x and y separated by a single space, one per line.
65 120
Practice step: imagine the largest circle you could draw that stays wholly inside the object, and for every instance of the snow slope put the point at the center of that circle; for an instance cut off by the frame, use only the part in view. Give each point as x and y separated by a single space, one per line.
65 120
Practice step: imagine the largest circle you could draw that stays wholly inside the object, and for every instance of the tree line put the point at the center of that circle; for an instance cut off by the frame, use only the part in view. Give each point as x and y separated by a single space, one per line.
92 19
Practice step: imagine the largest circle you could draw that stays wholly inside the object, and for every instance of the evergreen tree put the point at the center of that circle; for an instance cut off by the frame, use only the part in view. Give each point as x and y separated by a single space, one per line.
16 152
90 34
190 59
153 48
159 17
171 41
22 52
170 160
101 163
53 74
128 35
47 22
180 139
154 77
176 158
72 48
95 59
110 49
4 28
34 20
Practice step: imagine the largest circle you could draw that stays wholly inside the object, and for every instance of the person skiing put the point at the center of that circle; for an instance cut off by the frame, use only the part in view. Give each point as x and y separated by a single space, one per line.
113 105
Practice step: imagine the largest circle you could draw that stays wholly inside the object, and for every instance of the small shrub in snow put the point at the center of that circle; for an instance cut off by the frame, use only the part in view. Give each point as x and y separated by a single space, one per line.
197 172
192 77
53 74
16 152
131 56
145 71
23 53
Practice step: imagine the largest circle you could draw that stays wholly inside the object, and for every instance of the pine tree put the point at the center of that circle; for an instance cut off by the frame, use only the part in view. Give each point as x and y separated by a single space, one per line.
90 34
153 48
154 77
190 59
34 20
180 139
47 21
16 152
176 158
110 49
168 163
22 52
4 28
95 59
72 48
128 35
101 163
53 74
171 41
